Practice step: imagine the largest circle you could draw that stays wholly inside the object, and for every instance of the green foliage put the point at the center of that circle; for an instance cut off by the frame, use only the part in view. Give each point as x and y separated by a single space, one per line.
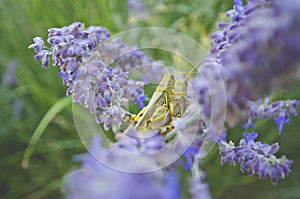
46 116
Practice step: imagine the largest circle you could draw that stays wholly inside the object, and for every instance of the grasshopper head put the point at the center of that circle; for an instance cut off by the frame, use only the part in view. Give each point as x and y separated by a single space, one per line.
167 82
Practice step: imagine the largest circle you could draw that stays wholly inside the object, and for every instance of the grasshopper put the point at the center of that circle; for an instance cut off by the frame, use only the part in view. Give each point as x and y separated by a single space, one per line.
159 97
166 103
162 118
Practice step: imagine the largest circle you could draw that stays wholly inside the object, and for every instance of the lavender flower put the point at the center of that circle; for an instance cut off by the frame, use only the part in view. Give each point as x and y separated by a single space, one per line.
140 101
131 141
229 32
94 180
208 85
252 65
130 58
255 55
265 51
256 158
189 132
69 46
38 44
124 56
279 110
92 82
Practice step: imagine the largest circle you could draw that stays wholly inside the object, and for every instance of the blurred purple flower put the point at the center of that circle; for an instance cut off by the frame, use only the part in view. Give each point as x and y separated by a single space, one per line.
229 32
188 136
129 58
9 77
280 111
17 108
189 155
199 189
280 121
140 101
264 58
132 142
10 80
255 54
137 9
124 56
94 180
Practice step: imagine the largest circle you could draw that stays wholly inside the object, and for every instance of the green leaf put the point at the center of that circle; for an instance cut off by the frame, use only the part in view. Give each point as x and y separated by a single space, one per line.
54 110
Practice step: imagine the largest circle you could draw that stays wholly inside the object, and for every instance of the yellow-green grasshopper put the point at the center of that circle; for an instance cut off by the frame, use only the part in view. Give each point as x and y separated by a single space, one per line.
162 117
174 104
159 97
166 103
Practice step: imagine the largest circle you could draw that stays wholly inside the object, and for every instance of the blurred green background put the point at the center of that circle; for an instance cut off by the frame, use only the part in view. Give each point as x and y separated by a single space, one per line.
25 101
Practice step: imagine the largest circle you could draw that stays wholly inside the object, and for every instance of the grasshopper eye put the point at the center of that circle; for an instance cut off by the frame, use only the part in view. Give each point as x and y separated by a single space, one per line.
171 82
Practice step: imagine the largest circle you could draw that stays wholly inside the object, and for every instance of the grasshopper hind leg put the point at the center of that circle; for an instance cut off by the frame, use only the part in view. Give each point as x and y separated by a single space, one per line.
133 118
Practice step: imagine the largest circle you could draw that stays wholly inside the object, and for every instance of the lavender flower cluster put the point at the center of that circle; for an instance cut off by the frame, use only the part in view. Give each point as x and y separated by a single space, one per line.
252 55
256 55
256 158
245 55
257 50
85 58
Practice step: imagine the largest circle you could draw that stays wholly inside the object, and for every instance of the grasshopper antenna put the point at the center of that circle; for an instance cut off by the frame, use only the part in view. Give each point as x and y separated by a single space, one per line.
177 63
176 60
